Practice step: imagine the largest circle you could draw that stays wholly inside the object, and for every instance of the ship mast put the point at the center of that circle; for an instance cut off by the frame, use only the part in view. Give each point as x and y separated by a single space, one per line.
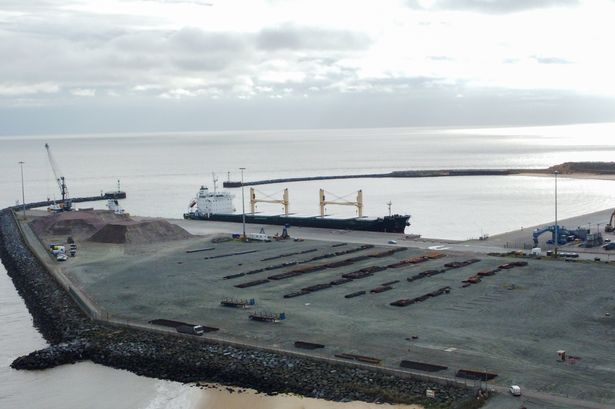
215 182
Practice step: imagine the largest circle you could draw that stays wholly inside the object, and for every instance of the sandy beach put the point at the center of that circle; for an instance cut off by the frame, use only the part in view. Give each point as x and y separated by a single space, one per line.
221 398
572 175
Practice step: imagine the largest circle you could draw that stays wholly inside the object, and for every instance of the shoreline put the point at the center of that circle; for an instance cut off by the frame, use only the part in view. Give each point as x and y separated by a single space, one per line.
229 398
574 175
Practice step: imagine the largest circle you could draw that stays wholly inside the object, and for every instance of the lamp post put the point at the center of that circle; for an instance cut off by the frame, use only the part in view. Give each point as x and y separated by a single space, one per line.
23 194
243 206
556 226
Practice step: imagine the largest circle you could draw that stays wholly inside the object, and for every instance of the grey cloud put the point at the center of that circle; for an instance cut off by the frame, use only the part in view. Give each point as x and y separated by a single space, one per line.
34 5
440 108
289 37
54 56
116 55
494 6
188 49
196 40
440 58
197 2
551 60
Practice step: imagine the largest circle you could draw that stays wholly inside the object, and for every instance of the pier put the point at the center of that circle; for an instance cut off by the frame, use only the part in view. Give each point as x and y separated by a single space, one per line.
395 174
82 199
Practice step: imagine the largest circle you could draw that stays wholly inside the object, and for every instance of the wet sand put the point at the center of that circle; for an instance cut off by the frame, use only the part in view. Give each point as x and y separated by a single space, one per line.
221 398
571 175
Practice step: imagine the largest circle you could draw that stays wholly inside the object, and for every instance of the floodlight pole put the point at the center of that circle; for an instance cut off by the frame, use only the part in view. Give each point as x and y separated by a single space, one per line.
23 194
243 205
556 226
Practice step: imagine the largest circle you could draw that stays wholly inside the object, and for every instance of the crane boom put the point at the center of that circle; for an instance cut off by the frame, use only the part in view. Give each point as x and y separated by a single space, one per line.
358 204
610 227
66 204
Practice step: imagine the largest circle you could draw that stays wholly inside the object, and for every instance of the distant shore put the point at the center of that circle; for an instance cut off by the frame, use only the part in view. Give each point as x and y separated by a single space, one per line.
594 176
578 170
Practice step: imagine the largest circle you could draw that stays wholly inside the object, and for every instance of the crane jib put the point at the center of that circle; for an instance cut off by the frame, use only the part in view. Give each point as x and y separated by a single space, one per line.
66 204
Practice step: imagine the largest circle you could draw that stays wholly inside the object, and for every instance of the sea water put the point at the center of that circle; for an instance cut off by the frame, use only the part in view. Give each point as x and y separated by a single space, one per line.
161 172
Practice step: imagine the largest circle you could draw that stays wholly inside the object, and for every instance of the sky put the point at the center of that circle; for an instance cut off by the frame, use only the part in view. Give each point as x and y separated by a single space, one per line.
100 66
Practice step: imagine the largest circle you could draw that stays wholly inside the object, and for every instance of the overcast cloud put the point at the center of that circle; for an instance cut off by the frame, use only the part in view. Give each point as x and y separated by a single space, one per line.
240 64
491 6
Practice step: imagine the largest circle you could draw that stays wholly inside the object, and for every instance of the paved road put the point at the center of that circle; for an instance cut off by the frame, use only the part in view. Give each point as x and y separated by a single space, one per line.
556 399
496 244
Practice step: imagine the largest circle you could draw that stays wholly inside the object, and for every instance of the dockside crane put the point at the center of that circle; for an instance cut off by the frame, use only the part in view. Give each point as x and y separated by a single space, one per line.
66 204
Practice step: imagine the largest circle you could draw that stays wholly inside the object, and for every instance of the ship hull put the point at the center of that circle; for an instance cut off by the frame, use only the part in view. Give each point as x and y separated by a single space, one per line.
389 224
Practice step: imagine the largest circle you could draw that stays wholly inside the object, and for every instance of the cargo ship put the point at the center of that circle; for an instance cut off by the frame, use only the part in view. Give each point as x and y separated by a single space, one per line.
218 206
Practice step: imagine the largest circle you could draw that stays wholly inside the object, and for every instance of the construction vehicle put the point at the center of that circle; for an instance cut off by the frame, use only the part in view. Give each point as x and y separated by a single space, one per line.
66 203
593 240
284 235
610 227
563 235
114 206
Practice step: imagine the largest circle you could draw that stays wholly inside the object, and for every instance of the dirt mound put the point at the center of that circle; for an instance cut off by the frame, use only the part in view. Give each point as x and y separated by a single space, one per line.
79 225
150 231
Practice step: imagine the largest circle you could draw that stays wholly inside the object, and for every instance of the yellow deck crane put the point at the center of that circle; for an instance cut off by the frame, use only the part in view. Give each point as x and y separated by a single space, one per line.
66 204
358 203
253 200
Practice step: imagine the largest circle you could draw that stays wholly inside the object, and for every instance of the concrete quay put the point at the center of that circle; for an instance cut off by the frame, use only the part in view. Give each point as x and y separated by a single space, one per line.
514 240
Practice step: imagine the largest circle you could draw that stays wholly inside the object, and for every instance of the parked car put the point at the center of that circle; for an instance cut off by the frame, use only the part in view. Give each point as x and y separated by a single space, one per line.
515 390
191 329
61 257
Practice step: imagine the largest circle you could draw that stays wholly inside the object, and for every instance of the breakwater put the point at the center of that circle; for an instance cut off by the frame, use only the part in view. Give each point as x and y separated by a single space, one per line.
395 174
595 168
74 336
47 203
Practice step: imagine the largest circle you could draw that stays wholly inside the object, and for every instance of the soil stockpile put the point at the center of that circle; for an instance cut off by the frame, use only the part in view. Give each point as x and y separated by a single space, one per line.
134 232
78 224
103 226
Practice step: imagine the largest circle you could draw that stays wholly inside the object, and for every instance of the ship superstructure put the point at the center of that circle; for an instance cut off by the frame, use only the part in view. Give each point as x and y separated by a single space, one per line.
207 203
